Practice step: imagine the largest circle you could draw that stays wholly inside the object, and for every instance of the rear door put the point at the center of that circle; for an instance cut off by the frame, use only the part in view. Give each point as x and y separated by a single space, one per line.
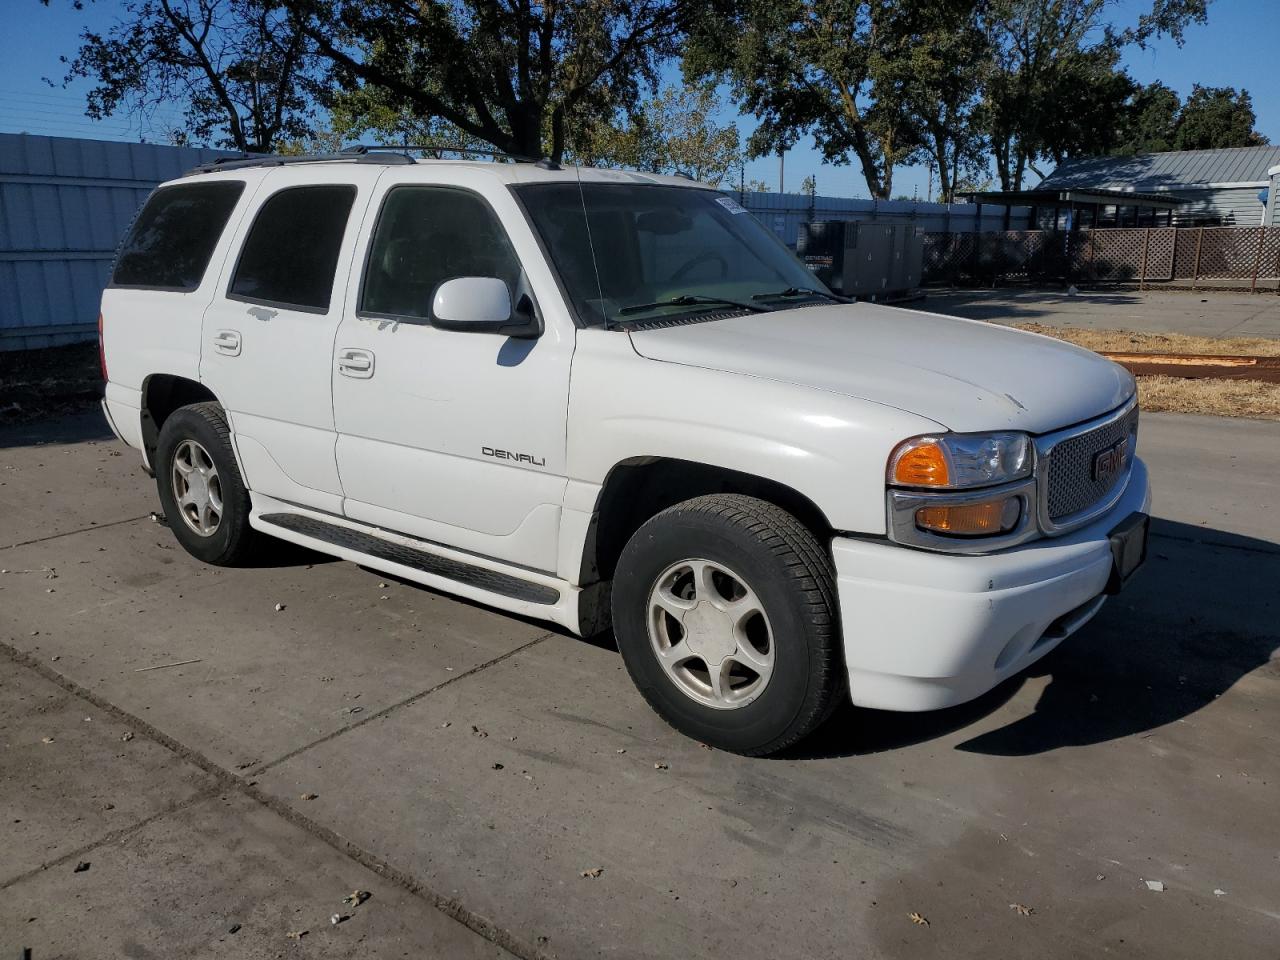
454 437
267 342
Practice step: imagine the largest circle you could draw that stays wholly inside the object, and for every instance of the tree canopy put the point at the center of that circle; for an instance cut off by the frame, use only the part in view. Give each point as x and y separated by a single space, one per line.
516 74
241 71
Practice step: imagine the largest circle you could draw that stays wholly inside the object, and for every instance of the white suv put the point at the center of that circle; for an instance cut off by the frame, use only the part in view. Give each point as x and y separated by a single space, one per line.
591 396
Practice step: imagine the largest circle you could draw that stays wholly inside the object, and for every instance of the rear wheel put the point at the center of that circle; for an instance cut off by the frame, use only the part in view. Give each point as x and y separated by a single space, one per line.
203 496
724 610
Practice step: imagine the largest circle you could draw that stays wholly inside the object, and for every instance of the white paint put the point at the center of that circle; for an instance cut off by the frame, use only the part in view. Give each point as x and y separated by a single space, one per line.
495 450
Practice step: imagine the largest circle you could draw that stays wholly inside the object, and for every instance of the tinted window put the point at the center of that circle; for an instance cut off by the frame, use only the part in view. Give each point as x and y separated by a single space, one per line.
425 236
291 252
173 237
619 247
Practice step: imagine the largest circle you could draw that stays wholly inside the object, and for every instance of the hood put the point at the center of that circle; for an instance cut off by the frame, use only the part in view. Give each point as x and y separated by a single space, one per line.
963 374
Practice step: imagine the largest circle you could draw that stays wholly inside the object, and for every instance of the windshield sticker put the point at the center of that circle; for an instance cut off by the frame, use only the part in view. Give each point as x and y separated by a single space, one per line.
730 204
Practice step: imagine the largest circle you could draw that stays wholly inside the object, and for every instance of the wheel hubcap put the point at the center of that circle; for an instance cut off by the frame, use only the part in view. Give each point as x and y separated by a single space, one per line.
197 488
710 634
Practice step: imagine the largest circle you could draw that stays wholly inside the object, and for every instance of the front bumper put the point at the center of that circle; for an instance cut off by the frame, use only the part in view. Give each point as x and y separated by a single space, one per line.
926 630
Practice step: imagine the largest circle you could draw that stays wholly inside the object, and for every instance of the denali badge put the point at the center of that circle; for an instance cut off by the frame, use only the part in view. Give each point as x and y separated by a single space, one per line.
1110 461
517 457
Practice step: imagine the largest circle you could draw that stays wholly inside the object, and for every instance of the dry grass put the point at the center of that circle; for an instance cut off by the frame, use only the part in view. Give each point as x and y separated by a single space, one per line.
1217 398
1127 341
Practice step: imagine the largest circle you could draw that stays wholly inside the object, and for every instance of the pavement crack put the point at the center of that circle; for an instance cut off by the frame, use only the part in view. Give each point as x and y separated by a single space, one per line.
413 698
224 779
72 533
115 836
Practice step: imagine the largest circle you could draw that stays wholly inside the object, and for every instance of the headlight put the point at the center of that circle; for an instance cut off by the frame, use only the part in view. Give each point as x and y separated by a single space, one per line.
956 461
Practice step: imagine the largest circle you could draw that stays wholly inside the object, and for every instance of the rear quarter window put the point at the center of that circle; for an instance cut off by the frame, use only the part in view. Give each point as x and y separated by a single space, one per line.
170 243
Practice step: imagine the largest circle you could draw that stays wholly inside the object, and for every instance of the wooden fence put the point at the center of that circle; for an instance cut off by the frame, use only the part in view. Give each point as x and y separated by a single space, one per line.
1134 254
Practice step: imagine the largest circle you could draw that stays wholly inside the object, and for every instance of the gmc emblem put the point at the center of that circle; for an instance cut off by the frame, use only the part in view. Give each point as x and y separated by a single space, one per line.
1108 463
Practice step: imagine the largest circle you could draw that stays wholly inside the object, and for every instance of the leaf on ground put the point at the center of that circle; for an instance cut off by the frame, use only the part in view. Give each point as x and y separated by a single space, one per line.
296 934
357 897
918 918
1021 909
593 872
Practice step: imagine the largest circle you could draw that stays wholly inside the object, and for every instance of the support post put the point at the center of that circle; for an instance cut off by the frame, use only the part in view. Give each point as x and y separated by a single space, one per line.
1146 247
1257 260
1195 276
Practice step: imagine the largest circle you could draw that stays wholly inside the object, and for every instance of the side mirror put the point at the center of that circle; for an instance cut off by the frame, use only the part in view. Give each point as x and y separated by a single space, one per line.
481 305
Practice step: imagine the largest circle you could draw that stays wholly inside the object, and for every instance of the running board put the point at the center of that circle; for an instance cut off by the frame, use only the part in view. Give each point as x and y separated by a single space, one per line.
432 564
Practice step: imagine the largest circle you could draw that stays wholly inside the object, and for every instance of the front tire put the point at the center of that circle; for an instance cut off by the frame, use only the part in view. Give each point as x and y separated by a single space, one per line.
725 614
203 496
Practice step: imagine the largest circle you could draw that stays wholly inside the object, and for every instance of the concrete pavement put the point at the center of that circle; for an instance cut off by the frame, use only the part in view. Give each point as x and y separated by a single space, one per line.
469 767
1216 314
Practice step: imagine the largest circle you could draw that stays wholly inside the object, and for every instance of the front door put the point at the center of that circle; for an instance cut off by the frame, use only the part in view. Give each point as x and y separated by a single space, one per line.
267 342
457 438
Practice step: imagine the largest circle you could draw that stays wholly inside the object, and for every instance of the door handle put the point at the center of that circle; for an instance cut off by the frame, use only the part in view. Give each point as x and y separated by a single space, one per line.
227 342
355 363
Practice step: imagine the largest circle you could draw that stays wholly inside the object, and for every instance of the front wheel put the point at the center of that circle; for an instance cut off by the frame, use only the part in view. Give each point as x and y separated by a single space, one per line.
201 491
725 614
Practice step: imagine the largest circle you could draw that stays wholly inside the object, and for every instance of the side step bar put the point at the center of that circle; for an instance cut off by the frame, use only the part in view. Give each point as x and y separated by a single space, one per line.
491 581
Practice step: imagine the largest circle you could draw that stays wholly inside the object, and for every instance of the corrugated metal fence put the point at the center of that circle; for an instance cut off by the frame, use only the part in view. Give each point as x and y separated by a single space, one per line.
784 212
64 204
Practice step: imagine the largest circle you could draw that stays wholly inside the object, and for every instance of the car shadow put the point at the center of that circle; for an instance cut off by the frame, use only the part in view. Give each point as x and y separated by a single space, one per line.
1204 613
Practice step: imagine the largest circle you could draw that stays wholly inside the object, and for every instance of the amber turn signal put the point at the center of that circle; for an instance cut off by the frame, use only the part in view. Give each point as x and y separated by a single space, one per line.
972 519
922 464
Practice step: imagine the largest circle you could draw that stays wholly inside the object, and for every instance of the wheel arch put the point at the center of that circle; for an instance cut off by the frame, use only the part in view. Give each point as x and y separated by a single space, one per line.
638 488
162 394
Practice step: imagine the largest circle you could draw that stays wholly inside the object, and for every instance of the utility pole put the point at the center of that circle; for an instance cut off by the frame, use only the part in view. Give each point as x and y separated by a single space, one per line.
782 159
929 195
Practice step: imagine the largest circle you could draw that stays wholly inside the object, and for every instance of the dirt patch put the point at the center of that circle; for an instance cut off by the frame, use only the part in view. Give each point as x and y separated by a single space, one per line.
1127 341
35 384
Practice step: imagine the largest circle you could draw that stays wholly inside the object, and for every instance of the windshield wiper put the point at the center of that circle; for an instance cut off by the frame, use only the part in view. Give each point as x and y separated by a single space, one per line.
691 300
798 291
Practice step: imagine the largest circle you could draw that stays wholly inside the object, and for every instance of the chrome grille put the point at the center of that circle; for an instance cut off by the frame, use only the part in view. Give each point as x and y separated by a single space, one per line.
1071 485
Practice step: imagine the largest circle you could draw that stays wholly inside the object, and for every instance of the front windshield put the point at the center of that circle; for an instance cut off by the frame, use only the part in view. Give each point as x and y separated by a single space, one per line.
645 251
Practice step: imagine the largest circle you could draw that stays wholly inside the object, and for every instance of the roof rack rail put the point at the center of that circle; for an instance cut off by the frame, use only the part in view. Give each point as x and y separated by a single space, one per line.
353 155
381 153
546 163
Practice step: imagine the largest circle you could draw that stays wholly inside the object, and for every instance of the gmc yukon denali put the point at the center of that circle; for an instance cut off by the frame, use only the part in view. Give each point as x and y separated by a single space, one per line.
614 399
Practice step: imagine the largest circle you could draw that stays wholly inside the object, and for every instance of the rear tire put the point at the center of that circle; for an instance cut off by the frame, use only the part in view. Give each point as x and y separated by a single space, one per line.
725 614
201 491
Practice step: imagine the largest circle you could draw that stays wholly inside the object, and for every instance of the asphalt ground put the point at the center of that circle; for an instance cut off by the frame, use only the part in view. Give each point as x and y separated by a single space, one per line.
1205 314
468 768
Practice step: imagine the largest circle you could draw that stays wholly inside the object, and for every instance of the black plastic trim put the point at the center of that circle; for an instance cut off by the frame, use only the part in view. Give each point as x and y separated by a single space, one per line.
450 569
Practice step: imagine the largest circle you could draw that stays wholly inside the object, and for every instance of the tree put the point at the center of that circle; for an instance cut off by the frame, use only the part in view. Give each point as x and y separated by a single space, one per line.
512 73
938 81
815 67
674 132
1054 87
1216 117
809 186
1150 122
241 69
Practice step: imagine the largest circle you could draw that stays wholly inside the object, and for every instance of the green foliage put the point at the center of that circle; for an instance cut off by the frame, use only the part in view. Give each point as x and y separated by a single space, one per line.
1155 119
674 132
519 76
825 68
242 69
1216 117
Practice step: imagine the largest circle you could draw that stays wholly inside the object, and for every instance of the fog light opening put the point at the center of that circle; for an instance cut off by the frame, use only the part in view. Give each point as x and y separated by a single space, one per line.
972 519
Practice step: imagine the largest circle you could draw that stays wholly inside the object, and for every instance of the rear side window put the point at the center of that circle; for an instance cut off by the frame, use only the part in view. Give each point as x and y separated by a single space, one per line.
291 252
425 236
173 237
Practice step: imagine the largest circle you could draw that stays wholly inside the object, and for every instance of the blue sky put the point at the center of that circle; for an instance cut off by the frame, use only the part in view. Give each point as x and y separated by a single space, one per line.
1236 48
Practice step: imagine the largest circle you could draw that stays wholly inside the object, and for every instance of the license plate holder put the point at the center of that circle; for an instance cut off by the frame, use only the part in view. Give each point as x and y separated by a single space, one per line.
1128 549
